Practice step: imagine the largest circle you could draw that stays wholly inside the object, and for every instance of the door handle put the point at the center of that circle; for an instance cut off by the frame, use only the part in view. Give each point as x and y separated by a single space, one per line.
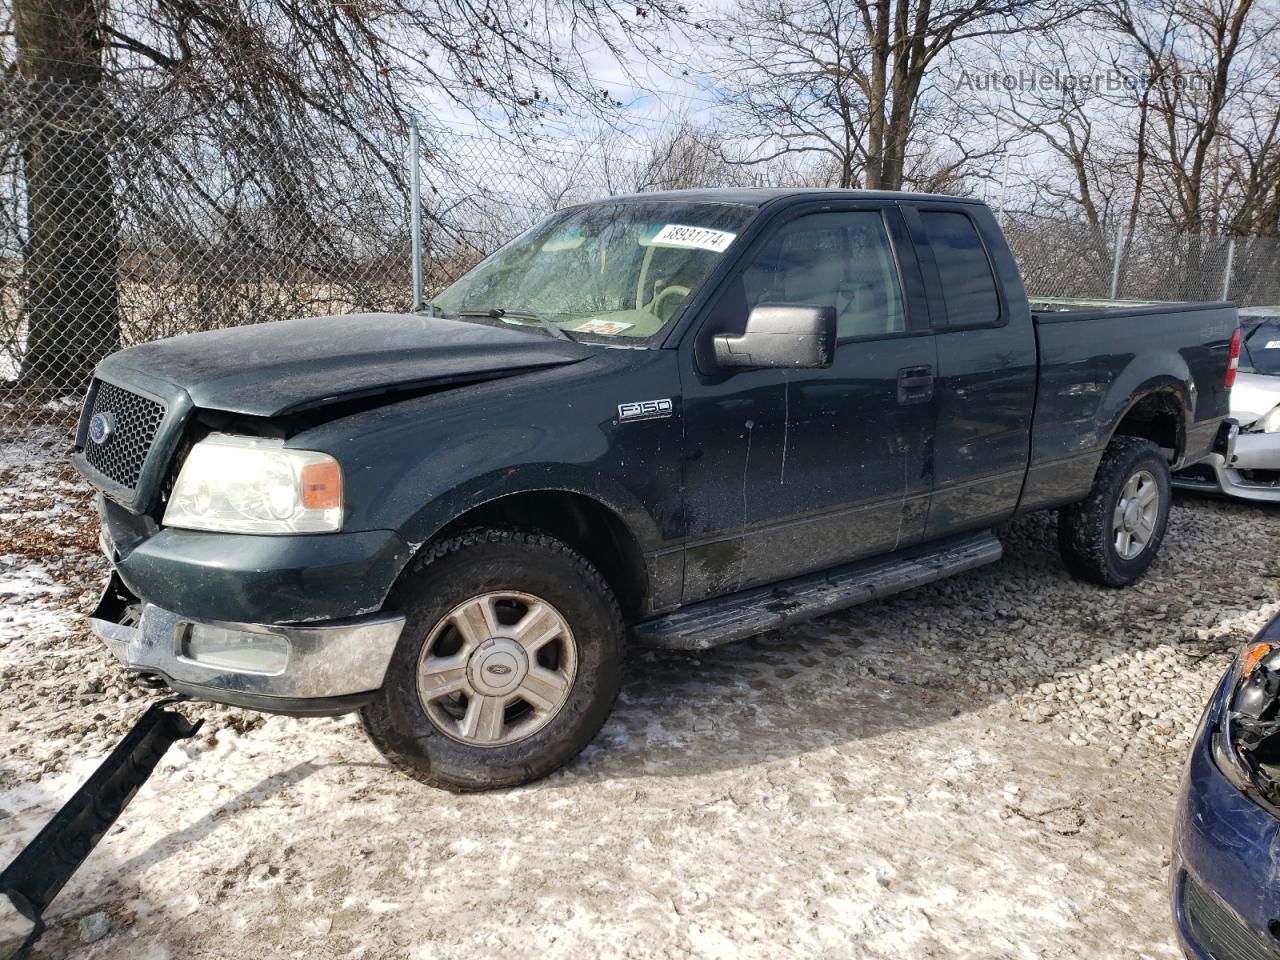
915 385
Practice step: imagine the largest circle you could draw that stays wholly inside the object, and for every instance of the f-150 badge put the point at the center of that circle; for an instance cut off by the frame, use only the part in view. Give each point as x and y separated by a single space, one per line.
644 410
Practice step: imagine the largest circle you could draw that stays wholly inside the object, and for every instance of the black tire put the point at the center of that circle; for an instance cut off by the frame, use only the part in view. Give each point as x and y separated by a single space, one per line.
451 572
1086 535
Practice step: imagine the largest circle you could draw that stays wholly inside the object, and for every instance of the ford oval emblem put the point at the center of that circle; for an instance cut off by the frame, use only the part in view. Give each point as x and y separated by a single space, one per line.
101 427
498 669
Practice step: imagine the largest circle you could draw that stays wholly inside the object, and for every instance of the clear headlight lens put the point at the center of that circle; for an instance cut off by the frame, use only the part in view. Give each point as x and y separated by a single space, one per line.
255 485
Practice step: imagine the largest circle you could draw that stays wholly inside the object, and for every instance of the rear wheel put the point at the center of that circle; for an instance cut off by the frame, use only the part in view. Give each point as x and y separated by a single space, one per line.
1113 535
509 664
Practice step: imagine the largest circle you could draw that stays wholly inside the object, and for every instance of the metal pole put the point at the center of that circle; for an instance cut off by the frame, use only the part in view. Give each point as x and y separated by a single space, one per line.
1226 274
1004 186
415 212
1115 262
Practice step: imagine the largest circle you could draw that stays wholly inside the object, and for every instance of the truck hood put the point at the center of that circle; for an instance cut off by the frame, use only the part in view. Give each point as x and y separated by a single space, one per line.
271 369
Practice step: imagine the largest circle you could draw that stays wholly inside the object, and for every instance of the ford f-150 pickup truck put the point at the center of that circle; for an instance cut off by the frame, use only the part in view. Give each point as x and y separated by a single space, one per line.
674 419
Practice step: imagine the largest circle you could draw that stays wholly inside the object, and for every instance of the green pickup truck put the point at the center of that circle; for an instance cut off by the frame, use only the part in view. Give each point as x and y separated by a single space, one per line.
672 419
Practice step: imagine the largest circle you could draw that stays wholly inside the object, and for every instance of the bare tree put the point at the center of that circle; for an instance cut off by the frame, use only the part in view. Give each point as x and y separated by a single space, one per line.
1209 77
70 256
684 156
1173 141
1088 137
788 82
280 90
847 79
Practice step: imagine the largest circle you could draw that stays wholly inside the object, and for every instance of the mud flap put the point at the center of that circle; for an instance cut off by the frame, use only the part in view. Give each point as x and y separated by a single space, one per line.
44 866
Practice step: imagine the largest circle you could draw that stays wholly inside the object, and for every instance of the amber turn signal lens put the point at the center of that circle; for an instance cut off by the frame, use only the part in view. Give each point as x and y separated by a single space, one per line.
1252 656
321 486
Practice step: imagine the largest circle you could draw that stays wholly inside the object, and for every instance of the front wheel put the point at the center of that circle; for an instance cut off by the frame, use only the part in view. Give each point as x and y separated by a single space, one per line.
1113 535
509 663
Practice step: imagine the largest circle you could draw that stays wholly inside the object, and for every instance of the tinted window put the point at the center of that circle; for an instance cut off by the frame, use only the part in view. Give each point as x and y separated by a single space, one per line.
968 286
832 259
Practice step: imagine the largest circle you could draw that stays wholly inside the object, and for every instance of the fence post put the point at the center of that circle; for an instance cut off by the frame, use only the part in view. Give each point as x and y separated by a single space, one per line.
1004 187
1115 261
415 211
1226 274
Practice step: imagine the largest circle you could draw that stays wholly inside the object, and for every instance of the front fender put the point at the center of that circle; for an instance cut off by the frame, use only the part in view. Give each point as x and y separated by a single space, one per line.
446 506
418 464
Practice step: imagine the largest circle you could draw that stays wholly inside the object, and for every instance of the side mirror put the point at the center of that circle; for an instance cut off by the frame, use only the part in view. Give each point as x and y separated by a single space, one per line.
781 335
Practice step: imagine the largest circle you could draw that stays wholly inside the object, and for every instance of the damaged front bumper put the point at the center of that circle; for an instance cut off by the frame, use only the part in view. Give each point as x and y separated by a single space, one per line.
307 669
1233 468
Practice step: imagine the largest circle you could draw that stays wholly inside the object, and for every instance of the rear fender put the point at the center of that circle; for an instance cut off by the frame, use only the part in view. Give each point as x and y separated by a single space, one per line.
1175 395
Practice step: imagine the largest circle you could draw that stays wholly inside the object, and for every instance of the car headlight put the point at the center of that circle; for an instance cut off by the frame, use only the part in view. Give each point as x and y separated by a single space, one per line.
1269 423
255 485
1244 743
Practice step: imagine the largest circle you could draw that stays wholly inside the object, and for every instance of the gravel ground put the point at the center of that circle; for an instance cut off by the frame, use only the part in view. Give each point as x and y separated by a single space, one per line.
981 768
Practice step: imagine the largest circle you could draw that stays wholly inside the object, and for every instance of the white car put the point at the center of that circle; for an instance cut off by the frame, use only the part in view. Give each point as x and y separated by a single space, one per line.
1250 466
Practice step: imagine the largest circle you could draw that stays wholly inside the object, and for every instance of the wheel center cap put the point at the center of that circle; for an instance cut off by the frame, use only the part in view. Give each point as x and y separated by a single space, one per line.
1132 514
497 667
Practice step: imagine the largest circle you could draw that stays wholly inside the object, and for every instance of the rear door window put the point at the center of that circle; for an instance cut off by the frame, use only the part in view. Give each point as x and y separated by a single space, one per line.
968 284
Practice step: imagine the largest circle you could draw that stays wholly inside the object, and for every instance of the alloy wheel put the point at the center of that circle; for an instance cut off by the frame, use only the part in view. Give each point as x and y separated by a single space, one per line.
497 668
1136 514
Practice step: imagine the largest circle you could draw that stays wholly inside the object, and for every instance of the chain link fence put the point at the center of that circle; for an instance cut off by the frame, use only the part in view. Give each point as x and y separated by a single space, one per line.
1064 259
131 215
127 216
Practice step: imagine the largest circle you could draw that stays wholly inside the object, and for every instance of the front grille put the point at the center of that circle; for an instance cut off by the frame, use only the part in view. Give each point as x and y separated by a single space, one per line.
1217 930
135 421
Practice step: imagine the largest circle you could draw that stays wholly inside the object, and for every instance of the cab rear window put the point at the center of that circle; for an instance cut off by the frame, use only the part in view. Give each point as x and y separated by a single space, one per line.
968 285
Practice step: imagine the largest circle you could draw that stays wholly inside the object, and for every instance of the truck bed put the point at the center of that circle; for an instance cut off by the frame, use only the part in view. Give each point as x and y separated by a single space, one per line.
1102 361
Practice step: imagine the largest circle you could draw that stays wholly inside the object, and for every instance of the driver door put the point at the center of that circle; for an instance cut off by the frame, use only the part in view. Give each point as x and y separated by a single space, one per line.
792 471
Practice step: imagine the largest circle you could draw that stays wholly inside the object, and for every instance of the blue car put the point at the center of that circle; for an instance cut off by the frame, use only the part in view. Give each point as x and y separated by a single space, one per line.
1225 880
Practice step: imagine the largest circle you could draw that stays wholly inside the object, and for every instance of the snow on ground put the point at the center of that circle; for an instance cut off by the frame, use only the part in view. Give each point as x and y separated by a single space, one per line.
982 768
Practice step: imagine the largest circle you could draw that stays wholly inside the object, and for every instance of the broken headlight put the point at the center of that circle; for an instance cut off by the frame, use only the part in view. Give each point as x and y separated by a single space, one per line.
255 485
1269 422
1246 743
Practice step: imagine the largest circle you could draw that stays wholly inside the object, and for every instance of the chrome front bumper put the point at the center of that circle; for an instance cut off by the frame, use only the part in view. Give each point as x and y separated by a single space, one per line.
331 667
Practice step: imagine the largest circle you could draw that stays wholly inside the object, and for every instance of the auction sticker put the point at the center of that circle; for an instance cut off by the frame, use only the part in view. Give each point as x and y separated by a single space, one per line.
697 238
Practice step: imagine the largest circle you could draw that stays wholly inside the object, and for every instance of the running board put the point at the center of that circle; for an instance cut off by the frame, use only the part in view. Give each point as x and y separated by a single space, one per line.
45 865
724 619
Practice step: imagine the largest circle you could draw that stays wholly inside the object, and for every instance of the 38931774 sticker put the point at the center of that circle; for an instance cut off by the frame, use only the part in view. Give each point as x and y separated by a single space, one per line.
695 238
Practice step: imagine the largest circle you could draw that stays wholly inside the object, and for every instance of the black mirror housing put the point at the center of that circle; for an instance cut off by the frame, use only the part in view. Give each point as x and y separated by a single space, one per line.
797 335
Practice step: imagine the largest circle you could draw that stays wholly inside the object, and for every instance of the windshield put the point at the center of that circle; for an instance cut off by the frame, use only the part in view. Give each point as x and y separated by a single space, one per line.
608 269
1261 353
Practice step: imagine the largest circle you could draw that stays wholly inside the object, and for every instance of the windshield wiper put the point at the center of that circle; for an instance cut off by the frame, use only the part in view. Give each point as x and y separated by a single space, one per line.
498 313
